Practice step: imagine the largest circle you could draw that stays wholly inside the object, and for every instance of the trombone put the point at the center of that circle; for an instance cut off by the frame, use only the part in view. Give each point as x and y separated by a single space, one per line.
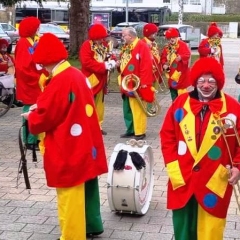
130 83
225 124
162 86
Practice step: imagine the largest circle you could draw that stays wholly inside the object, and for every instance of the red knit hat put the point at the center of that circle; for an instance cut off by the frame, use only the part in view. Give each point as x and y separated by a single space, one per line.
3 42
28 27
97 31
49 50
214 29
149 29
171 33
207 65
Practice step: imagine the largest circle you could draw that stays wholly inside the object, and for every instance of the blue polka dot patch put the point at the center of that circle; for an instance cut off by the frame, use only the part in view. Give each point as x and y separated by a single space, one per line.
179 114
94 153
210 200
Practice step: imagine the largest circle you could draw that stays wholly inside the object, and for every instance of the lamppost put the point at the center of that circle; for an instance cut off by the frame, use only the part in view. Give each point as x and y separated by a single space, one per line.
126 11
180 12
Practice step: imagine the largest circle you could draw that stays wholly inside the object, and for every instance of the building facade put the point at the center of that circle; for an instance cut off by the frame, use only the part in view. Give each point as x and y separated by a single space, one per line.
191 6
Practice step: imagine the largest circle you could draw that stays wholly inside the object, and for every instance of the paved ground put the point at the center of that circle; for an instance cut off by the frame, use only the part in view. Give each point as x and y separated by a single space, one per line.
33 216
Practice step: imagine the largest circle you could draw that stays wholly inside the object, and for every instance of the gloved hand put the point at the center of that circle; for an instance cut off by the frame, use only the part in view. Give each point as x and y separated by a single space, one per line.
120 160
109 65
137 160
147 93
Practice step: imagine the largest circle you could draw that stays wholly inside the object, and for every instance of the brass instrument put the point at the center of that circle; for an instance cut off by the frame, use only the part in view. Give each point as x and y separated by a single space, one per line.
237 77
164 89
226 123
150 109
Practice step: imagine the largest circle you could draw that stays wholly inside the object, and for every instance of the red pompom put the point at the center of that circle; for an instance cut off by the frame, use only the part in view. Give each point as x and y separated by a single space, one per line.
149 29
28 27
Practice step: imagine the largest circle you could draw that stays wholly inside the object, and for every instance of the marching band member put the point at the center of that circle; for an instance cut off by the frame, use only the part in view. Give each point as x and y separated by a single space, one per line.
150 32
6 60
196 155
74 152
175 59
211 46
26 72
135 59
95 66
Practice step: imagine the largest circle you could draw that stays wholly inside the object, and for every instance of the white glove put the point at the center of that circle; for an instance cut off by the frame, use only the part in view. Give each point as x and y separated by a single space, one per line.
110 65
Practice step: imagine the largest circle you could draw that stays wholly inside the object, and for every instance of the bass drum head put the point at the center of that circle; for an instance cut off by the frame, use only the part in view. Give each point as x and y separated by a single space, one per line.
130 190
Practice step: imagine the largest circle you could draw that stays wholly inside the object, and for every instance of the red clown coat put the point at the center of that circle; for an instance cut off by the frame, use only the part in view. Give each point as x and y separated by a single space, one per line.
136 59
196 156
74 150
156 65
204 50
92 59
27 75
178 75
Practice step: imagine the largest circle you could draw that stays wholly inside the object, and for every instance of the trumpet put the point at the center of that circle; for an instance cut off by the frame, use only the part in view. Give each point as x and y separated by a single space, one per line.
224 124
150 109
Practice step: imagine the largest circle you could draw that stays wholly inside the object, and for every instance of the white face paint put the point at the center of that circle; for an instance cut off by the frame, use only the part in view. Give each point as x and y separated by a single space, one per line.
206 87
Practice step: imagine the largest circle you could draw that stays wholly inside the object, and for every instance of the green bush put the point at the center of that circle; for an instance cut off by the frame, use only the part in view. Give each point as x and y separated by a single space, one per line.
189 17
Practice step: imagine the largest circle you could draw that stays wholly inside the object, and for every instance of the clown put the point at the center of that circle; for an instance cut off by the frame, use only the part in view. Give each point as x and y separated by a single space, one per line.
196 156
95 65
211 46
6 60
136 60
150 32
26 71
175 59
74 151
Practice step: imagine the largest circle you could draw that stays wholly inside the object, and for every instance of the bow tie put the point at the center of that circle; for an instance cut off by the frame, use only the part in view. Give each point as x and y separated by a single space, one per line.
215 105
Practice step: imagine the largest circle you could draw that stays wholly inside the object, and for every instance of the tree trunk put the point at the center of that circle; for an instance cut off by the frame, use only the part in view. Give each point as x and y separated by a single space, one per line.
78 24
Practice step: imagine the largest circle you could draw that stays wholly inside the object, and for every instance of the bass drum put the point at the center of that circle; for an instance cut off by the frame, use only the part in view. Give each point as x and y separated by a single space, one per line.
130 190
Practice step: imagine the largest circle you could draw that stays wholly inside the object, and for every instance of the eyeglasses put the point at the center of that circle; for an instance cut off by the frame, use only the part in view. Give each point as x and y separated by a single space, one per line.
202 80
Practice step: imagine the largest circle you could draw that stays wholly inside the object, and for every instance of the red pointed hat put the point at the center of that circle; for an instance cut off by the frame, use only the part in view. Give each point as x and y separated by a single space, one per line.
49 50
214 29
3 42
28 27
207 65
149 29
97 31
171 33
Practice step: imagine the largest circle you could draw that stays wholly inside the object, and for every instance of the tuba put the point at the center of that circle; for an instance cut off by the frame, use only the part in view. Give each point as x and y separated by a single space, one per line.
130 83
224 124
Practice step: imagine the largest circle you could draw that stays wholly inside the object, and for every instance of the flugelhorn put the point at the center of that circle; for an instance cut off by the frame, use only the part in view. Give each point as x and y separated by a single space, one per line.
225 124
130 83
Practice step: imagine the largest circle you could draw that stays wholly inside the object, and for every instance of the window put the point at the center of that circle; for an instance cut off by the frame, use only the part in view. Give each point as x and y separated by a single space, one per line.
195 2
166 1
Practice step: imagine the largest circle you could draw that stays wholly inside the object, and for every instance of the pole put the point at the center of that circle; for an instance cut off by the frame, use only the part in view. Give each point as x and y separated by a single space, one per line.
126 11
180 12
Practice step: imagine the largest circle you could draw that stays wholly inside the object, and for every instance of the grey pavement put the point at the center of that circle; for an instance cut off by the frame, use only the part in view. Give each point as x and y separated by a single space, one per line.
33 216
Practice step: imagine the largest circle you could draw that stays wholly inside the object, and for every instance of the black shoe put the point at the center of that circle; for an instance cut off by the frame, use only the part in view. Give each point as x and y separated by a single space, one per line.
94 234
103 132
126 135
31 146
139 137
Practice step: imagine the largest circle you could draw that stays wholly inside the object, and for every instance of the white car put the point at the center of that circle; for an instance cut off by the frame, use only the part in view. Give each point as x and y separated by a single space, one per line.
186 32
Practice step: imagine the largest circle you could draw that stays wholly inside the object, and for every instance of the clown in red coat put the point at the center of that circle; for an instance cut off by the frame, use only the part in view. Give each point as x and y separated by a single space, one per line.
211 46
175 59
136 66
196 156
26 72
93 57
74 151
6 60
150 32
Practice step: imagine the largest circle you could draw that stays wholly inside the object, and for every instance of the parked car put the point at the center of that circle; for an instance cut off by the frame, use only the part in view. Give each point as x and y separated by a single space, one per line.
57 31
116 32
11 31
182 29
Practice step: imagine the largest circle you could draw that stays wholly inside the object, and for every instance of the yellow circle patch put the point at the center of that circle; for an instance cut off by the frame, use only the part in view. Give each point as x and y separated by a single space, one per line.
89 110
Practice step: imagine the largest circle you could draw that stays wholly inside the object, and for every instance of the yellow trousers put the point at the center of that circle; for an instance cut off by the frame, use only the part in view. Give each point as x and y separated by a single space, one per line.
139 117
99 104
71 212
